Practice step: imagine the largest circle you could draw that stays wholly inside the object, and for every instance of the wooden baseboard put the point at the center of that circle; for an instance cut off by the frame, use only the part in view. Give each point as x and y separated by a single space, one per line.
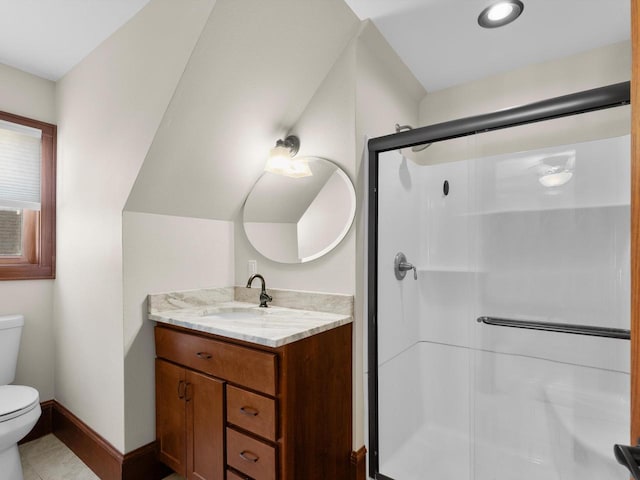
143 463
359 464
98 454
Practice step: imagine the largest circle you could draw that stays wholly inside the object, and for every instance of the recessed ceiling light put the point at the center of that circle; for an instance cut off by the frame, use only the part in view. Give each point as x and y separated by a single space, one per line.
500 13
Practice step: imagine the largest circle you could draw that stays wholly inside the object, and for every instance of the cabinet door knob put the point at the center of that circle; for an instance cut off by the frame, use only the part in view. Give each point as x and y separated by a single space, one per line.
249 456
249 411
204 355
187 391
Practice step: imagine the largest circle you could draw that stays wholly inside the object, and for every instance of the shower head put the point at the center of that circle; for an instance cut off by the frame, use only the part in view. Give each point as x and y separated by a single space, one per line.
416 148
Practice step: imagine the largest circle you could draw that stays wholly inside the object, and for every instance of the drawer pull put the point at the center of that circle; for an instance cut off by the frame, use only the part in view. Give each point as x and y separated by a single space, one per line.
203 355
250 412
249 456
181 389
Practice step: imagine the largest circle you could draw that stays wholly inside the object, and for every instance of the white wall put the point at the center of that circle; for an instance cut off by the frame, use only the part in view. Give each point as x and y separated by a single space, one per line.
325 130
33 299
590 69
109 108
27 95
32 97
250 77
584 71
162 254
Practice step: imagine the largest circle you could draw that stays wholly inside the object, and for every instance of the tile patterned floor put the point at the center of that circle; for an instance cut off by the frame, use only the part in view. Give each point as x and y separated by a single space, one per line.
47 458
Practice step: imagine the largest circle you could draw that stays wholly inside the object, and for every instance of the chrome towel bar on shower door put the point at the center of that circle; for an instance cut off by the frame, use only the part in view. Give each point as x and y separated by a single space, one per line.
558 327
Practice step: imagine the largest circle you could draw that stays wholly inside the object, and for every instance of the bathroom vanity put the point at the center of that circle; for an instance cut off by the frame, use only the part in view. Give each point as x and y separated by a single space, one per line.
250 393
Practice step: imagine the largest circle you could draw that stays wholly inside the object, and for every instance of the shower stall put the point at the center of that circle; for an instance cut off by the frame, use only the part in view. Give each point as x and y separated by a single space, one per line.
499 294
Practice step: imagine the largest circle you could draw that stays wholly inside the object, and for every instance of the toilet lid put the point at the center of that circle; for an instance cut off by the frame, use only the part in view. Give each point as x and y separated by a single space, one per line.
16 400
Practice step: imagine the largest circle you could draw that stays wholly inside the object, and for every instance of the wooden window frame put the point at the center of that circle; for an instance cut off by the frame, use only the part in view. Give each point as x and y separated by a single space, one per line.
39 228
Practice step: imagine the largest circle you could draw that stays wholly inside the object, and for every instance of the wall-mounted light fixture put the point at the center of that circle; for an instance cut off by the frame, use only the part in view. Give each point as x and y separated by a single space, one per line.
281 161
500 13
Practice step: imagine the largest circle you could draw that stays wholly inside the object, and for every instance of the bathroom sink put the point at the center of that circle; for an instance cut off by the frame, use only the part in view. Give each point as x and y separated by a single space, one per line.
234 313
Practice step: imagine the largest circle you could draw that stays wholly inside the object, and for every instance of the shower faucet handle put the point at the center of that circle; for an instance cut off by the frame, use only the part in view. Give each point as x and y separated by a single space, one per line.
401 267
406 266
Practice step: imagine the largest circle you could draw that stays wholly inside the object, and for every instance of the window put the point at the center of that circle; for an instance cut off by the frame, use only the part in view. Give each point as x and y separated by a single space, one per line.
27 198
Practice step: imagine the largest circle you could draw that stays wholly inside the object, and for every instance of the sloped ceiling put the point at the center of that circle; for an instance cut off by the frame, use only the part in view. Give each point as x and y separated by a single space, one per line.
255 67
48 38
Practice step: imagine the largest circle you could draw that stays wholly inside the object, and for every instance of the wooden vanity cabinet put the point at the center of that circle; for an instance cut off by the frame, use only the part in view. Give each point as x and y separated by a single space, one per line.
254 412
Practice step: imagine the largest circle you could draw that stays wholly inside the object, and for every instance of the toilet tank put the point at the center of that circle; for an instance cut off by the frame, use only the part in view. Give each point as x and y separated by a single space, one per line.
10 332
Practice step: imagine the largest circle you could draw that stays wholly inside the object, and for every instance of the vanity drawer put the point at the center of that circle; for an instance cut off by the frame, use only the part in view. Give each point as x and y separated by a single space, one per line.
240 365
251 412
250 456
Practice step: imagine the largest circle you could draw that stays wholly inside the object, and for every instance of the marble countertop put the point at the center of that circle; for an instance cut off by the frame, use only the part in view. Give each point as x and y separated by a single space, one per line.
272 327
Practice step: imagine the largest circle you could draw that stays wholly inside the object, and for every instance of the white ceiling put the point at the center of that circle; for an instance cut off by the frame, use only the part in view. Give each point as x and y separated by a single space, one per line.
49 37
439 40
442 44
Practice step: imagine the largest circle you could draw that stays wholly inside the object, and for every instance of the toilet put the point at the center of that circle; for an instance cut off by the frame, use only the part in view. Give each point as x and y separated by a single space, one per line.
19 405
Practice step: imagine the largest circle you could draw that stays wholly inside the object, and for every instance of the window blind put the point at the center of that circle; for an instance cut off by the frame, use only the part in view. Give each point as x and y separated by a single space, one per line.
20 158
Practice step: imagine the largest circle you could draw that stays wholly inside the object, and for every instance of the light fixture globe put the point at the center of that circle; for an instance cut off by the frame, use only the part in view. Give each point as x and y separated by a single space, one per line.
555 178
278 161
281 161
500 13
557 169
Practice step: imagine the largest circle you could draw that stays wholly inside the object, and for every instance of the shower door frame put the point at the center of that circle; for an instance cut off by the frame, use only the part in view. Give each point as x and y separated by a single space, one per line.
582 102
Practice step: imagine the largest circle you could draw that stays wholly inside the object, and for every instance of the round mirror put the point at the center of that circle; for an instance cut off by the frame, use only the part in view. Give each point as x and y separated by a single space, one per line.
296 220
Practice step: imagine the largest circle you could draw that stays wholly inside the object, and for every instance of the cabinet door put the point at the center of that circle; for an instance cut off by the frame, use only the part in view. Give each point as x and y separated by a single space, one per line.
170 415
205 427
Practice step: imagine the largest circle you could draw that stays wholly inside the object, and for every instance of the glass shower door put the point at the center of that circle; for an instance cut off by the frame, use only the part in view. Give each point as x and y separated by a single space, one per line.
552 236
527 227
424 374
400 412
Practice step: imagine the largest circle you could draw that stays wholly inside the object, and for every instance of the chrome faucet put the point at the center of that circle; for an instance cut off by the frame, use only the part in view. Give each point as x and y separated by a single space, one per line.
264 296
